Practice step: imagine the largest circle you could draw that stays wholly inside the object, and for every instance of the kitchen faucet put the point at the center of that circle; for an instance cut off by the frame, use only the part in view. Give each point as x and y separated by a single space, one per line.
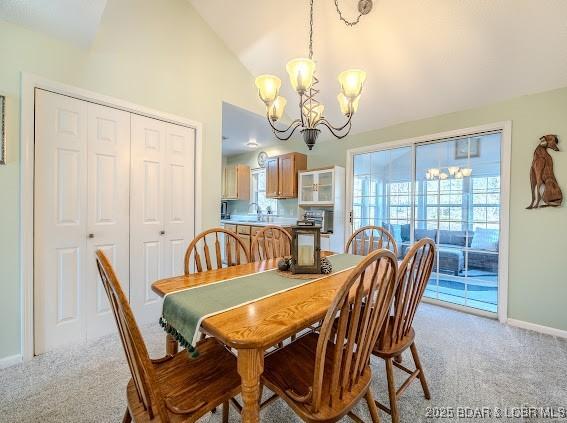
258 211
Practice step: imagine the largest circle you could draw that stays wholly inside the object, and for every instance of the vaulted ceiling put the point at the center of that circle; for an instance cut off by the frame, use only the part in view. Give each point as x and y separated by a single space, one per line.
76 21
423 58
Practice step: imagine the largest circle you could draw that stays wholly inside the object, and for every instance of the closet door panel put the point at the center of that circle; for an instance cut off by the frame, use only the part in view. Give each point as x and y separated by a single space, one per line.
108 209
148 144
179 196
60 219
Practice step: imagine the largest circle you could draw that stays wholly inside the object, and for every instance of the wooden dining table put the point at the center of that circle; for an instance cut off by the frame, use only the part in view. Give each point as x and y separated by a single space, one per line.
253 328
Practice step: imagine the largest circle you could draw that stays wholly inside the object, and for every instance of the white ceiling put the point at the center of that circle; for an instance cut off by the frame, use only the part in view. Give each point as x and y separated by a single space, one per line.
75 21
239 126
423 58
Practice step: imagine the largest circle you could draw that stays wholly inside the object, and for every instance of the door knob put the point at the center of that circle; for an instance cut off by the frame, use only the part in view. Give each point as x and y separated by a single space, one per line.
91 236
162 232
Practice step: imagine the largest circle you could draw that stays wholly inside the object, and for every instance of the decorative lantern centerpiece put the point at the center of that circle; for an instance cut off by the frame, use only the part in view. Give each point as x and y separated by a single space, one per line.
306 249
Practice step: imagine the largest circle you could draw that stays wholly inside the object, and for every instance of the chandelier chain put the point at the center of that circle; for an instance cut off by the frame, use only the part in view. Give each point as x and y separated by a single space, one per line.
346 21
311 30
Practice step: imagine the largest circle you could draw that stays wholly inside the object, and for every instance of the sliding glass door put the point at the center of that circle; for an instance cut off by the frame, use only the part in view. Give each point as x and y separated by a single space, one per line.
447 190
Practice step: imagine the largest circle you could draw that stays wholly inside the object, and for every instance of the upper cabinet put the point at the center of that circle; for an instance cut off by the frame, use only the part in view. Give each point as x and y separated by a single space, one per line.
318 187
281 175
236 182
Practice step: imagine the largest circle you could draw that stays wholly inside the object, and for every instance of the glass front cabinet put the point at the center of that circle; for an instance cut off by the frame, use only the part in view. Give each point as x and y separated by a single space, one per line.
317 188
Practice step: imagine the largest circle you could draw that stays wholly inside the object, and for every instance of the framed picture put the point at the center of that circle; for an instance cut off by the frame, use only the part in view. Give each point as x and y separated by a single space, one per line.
2 130
465 146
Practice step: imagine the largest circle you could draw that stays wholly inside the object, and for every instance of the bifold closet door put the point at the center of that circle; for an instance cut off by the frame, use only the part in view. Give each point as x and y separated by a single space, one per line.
108 204
81 203
162 208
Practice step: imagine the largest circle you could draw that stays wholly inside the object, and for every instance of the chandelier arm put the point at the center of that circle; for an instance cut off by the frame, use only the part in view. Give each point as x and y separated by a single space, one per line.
336 131
281 131
287 137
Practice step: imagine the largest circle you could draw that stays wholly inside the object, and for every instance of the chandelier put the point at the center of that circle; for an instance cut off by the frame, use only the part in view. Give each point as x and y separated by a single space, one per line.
302 76
454 171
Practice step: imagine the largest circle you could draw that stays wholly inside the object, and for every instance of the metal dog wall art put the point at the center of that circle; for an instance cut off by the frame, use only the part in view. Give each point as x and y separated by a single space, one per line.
544 186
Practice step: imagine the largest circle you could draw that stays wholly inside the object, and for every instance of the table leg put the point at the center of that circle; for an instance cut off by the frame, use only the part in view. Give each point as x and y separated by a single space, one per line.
250 368
171 345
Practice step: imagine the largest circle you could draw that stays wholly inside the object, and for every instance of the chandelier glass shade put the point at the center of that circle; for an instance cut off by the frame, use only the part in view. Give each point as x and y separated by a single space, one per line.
303 79
452 171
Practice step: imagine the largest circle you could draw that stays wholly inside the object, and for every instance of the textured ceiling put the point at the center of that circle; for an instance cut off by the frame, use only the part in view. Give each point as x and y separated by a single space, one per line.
75 21
423 58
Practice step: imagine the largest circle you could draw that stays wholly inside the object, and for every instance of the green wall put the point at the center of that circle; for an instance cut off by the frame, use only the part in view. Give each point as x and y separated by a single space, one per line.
159 54
538 238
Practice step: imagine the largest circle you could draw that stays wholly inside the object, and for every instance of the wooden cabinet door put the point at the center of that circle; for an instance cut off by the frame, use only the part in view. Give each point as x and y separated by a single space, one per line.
223 183
246 241
287 176
231 180
272 177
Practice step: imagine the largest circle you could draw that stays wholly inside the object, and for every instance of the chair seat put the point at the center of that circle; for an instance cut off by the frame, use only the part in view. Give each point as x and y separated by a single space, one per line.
391 350
293 367
203 382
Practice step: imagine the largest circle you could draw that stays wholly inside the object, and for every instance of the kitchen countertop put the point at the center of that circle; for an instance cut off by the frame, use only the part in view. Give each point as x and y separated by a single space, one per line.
255 223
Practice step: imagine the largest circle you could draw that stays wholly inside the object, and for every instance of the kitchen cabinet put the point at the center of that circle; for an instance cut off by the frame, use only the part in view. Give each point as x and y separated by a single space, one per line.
246 233
236 182
317 187
281 175
325 188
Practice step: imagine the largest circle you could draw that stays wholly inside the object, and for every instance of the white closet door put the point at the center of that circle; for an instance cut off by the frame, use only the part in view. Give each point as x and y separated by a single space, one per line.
179 212
108 205
162 208
146 216
60 220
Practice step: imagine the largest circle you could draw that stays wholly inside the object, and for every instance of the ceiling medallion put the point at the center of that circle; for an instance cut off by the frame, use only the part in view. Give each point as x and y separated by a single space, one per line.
303 80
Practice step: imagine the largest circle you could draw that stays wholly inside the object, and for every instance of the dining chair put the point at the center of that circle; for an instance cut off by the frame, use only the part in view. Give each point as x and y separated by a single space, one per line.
176 387
270 242
323 376
398 334
235 252
370 238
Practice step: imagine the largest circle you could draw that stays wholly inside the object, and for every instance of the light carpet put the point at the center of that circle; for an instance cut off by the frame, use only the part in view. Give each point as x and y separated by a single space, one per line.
470 362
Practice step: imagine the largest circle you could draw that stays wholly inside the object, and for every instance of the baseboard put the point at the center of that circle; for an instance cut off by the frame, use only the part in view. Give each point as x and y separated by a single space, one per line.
538 328
10 361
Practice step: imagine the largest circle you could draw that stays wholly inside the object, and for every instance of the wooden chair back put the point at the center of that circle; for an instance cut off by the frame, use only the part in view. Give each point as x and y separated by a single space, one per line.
362 304
141 367
413 275
270 242
205 257
369 238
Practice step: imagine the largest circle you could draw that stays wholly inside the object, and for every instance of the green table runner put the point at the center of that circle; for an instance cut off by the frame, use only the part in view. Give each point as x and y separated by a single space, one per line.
183 311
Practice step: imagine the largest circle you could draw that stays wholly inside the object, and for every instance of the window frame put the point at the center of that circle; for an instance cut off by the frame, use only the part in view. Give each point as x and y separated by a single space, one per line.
254 190
505 128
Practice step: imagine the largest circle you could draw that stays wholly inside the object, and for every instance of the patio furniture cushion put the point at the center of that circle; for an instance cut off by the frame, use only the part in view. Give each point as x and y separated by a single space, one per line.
485 239
426 233
457 238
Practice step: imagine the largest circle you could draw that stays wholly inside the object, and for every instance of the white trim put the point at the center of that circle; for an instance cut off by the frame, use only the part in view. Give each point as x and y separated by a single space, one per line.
505 161
458 307
504 244
29 83
11 360
538 328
